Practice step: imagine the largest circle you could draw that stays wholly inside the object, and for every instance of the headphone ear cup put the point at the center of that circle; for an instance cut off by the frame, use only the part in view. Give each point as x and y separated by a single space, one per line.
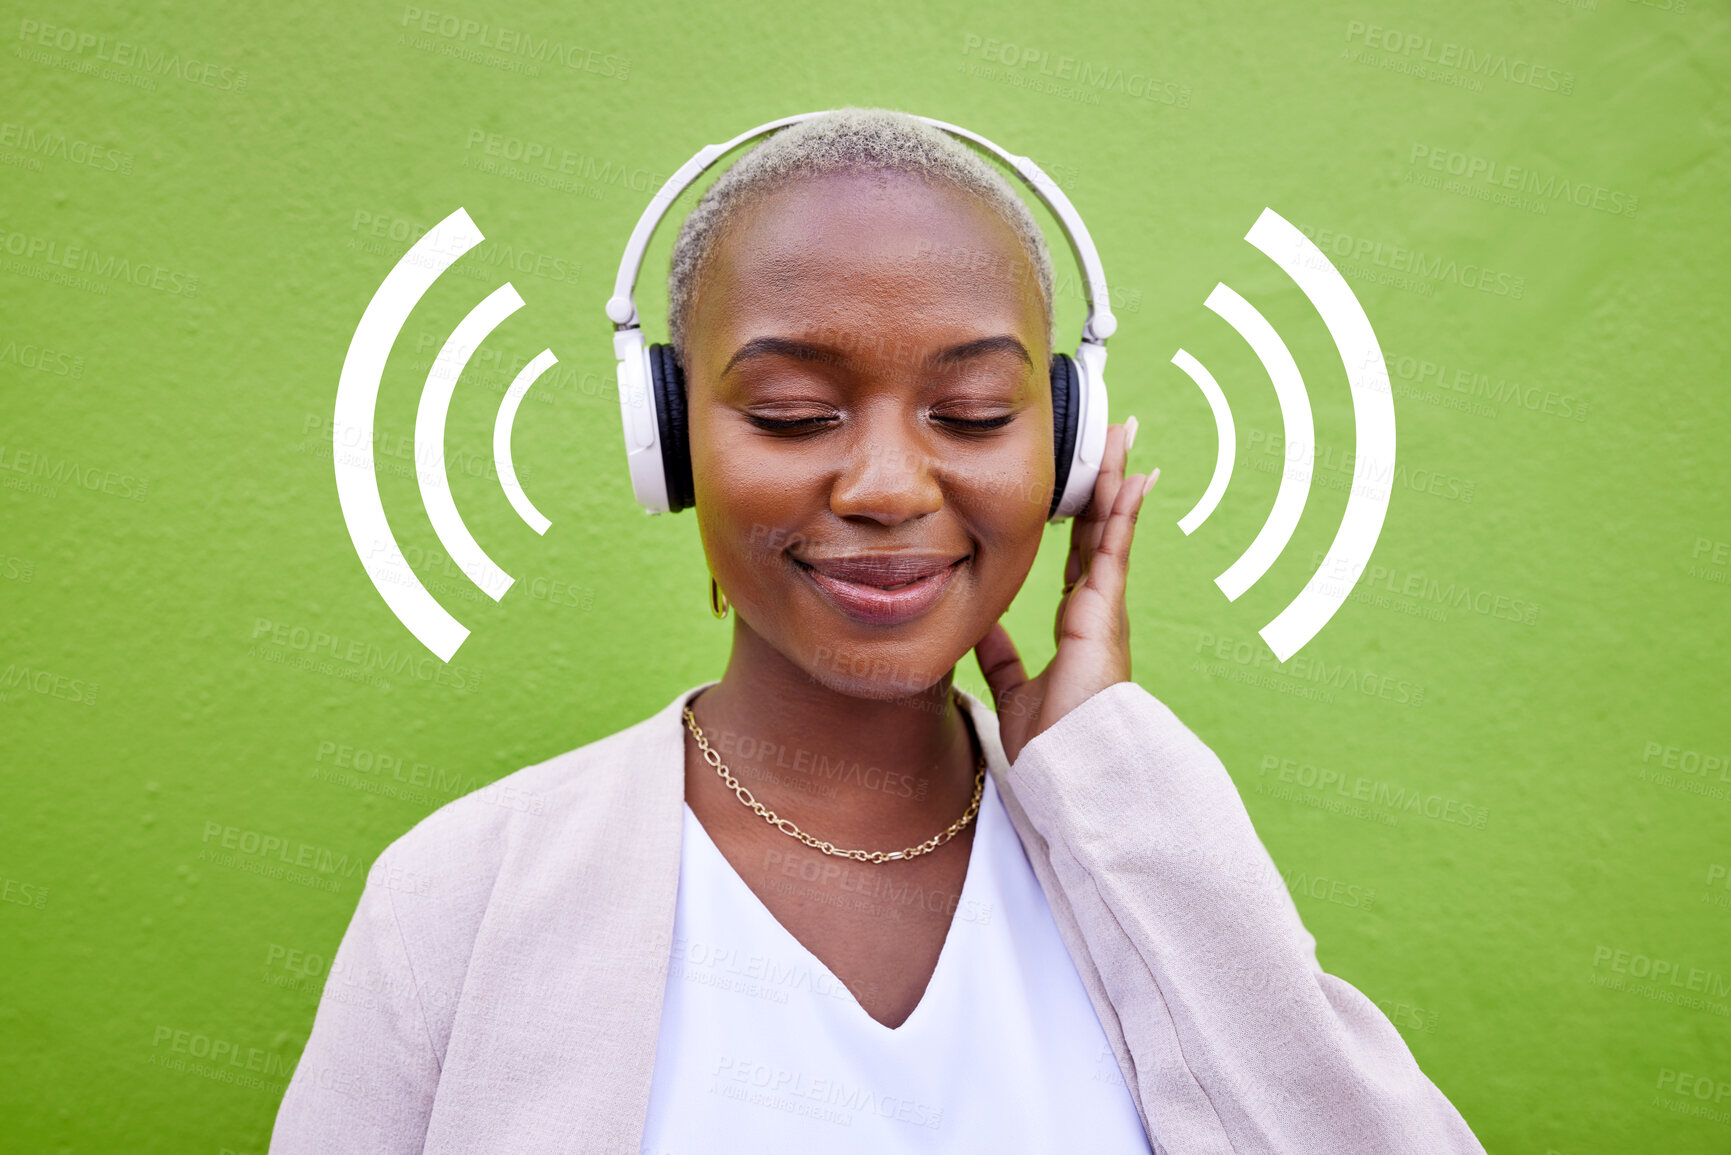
668 383
1066 406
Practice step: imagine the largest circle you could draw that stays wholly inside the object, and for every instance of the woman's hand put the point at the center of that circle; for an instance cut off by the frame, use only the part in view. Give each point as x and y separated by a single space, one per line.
1092 629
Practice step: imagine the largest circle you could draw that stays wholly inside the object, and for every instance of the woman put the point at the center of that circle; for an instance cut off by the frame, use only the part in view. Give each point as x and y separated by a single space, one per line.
827 902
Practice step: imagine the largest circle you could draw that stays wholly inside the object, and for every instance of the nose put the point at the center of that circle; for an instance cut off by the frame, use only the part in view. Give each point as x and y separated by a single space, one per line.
888 472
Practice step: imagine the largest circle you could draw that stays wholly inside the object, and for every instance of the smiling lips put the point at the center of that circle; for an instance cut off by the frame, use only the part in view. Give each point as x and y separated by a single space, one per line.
882 588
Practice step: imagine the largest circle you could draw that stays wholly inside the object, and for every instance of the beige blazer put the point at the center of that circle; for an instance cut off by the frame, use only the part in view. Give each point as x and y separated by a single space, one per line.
499 988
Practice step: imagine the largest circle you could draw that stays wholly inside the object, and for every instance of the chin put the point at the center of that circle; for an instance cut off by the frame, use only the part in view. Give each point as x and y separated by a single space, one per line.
907 666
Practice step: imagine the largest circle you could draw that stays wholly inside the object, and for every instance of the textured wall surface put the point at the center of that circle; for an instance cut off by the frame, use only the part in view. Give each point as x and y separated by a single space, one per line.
1498 784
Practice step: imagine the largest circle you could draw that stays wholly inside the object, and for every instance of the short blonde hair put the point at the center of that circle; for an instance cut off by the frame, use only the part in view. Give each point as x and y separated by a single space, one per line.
846 140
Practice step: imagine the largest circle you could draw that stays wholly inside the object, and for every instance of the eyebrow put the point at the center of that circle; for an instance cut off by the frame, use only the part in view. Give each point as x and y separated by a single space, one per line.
980 348
829 355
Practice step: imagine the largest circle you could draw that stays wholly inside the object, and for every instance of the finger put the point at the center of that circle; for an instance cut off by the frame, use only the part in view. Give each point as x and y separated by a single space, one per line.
1073 574
1000 663
1106 486
1115 459
1063 608
1111 566
1073 562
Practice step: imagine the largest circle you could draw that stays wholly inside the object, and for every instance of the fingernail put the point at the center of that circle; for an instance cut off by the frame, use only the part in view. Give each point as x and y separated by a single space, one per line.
1148 485
1129 435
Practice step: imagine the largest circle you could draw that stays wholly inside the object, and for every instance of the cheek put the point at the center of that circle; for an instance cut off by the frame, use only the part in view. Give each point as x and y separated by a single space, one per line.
1006 494
1003 502
1009 534
751 506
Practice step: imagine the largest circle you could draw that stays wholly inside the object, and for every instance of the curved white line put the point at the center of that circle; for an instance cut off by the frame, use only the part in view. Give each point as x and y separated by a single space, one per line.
352 432
1217 484
502 464
1373 414
1300 441
448 366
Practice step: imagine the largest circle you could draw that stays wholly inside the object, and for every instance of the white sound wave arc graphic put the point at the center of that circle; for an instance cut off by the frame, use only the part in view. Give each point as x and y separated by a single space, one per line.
1373 415
1217 484
353 427
502 464
453 358
1295 414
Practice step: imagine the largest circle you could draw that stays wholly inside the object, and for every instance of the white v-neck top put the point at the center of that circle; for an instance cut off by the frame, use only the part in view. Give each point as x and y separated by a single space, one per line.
763 1051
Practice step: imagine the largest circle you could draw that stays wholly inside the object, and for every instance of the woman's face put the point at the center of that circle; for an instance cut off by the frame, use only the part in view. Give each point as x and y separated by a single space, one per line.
871 425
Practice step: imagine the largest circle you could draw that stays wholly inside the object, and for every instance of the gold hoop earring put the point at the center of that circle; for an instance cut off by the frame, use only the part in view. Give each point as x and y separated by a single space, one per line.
717 599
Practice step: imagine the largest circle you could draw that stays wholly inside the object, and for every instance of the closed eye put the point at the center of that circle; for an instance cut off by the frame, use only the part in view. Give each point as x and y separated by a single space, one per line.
811 424
788 425
980 424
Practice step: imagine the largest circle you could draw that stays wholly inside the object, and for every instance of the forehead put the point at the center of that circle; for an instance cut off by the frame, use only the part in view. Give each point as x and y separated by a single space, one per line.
861 251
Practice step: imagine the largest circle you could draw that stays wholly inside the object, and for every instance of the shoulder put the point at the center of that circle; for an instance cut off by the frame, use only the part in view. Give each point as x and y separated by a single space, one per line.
460 847
498 867
562 835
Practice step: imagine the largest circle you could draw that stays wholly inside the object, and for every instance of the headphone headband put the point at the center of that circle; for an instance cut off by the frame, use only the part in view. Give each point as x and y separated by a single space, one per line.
622 306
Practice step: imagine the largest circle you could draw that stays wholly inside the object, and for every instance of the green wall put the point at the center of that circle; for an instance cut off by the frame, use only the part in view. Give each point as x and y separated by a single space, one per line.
1499 782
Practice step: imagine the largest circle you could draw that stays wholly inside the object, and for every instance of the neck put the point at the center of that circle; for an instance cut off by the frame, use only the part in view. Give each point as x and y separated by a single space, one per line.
870 773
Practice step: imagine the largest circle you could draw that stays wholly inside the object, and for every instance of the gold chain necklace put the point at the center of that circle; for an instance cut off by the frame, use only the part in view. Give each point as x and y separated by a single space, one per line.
786 826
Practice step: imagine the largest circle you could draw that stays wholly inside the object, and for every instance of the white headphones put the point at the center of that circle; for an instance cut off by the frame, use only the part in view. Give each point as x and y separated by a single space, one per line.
652 389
